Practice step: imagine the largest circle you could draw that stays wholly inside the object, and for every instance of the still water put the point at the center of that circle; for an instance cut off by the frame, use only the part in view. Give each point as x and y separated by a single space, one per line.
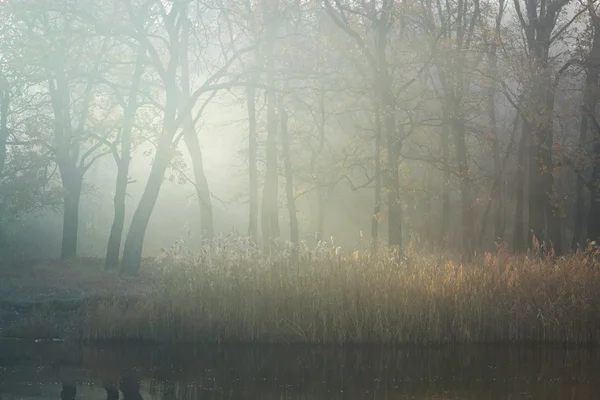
54 371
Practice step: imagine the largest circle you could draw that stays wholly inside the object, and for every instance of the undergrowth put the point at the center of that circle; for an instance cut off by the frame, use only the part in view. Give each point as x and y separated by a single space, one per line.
232 292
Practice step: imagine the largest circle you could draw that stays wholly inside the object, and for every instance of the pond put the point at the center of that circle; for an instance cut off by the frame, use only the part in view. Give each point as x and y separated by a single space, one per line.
59 370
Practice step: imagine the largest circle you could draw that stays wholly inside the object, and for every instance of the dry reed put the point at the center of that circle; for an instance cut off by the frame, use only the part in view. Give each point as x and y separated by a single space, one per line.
233 293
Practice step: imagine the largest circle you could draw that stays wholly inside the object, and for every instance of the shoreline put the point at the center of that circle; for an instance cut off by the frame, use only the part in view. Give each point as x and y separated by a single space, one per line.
325 299
62 329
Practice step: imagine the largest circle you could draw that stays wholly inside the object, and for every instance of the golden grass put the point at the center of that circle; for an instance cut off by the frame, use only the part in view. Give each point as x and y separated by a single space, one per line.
234 294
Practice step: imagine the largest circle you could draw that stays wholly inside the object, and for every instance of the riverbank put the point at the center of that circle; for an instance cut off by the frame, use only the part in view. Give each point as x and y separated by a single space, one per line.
43 300
322 297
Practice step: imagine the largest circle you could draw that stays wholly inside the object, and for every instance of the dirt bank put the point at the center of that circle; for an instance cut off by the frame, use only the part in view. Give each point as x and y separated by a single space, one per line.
48 299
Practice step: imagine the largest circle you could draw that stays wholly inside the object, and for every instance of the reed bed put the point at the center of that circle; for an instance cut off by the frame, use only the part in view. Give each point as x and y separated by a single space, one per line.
231 292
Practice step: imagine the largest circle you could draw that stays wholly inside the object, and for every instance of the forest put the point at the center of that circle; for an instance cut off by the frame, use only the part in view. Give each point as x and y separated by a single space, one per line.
461 125
325 171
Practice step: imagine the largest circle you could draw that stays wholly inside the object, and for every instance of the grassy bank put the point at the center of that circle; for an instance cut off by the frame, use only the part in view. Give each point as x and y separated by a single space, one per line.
238 295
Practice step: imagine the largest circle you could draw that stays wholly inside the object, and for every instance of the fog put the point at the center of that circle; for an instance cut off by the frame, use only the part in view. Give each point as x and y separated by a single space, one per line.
374 122
176 215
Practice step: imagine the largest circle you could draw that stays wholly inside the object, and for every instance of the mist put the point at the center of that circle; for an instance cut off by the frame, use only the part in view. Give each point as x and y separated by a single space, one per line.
409 126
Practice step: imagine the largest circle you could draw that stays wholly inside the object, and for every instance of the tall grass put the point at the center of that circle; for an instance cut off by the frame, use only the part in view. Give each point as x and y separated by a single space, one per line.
234 293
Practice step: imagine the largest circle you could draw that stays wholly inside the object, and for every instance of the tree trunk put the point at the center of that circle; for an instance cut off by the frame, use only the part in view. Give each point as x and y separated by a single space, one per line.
518 228
393 143
320 213
71 182
593 225
465 181
579 197
544 218
544 205
289 179
377 156
445 144
269 212
4 132
313 168
497 193
134 243
252 165
590 100
113 248
496 183
67 149
394 204
498 167
201 183
190 138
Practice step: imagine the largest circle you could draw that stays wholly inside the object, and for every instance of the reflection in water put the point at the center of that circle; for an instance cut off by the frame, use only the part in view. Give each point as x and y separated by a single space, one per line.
111 392
130 386
237 372
68 391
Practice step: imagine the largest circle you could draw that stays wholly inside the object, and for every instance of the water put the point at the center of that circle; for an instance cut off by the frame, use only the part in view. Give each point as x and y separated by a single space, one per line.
42 371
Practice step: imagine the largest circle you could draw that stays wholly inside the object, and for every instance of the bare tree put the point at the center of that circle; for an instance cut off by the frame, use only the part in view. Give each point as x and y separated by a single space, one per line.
170 23
588 115
289 176
190 138
61 70
4 131
457 26
269 209
492 55
590 100
538 23
382 17
123 159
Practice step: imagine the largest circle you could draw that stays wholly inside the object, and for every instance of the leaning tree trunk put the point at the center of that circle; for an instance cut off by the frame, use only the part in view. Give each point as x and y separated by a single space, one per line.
134 243
289 179
113 248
